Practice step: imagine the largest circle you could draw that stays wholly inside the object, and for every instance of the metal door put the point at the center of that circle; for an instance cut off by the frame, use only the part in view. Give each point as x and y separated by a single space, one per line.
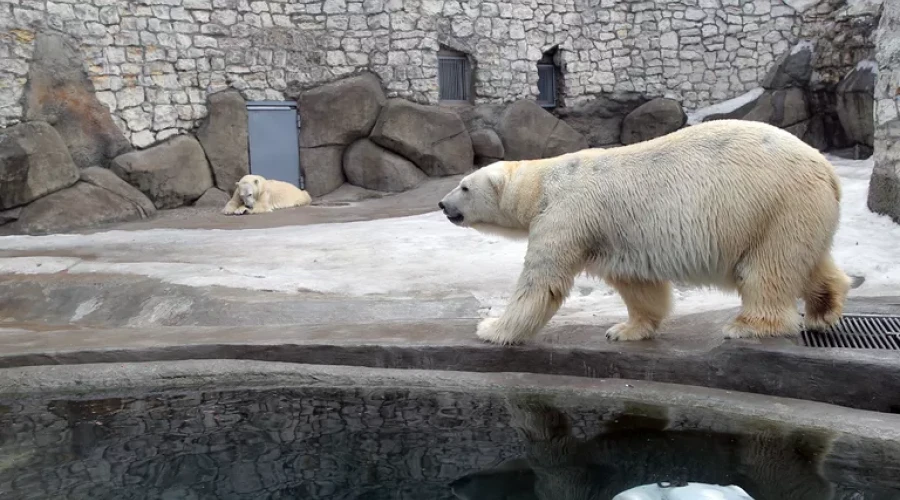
274 146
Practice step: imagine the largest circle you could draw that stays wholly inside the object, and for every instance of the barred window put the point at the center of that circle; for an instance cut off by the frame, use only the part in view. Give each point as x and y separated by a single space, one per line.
547 85
454 76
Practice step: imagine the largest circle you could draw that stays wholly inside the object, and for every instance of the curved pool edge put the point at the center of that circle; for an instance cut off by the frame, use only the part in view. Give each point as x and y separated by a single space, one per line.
868 380
861 445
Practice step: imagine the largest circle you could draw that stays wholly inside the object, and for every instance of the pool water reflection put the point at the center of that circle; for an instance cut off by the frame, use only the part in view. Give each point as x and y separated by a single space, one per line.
315 443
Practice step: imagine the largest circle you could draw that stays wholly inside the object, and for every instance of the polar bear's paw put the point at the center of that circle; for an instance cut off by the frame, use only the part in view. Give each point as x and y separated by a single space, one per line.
630 330
489 331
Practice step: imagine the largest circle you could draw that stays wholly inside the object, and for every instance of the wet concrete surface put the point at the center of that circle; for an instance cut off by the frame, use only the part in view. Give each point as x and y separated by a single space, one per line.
685 353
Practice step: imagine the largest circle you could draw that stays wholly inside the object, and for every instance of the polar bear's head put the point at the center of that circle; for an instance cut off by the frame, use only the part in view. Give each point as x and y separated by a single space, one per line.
250 187
478 201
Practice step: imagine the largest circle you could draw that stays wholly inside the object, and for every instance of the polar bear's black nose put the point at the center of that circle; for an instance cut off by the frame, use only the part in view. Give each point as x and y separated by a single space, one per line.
441 205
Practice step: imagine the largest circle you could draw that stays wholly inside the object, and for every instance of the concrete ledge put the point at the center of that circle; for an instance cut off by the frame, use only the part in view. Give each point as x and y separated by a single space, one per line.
868 380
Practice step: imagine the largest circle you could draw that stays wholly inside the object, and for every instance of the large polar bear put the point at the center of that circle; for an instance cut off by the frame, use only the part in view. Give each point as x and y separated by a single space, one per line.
732 204
254 194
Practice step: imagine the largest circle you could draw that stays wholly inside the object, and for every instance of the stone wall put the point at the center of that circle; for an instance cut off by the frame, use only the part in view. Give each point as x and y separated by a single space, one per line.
884 188
312 443
152 62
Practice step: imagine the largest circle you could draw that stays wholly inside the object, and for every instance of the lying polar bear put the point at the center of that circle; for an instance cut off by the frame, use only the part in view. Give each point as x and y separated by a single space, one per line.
254 194
732 204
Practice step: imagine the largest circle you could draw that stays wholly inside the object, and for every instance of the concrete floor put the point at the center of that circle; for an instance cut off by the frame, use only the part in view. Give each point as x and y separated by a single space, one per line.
61 318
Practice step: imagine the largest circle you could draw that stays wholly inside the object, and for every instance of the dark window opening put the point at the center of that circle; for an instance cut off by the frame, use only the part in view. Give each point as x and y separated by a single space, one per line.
454 76
549 79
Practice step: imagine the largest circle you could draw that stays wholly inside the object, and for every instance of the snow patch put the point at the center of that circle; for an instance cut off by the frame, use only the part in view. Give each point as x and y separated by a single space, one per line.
415 256
724 106
867 65
801 46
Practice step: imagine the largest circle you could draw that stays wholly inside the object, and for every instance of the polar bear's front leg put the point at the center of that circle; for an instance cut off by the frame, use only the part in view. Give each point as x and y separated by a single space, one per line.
544 284
234 204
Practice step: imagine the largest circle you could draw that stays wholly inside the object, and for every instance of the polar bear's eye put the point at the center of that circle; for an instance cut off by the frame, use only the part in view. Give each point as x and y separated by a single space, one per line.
465 189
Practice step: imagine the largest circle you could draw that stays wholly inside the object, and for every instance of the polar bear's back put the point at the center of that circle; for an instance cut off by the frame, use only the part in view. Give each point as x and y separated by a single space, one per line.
689 205
286 195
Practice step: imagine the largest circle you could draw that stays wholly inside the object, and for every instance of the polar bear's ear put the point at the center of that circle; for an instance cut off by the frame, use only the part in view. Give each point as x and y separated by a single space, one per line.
256 181
497 180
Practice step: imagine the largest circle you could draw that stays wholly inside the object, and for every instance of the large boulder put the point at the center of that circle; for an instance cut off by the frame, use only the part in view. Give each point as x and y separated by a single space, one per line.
600 119
855 103
370 166
34 162
735 114
172 174
11 215
487 146
652 119
340 112
224 136
59 93
435 139
322 169
781 108
793 69
104 178
80 206
213 198
530 132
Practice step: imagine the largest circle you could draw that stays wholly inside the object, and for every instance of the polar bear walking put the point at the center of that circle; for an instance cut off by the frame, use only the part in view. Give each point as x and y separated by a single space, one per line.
732 204
254 194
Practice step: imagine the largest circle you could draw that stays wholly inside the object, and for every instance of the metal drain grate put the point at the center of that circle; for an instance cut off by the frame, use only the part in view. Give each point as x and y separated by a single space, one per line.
857 331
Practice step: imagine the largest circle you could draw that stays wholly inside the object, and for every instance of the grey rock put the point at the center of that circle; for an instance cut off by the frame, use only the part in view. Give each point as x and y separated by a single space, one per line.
781 108
213 198
799 129
855 105
370 166
435 139
825 131
735 114
322 169
34 162
340 112
652 119
600 120
59 93
79 206
793 69
224 137
479 116
487 146
529 132
172 174
105 179
11 215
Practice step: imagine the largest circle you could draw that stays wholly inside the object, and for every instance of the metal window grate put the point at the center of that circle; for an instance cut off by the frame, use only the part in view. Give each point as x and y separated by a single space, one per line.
453 78
547 85
857 332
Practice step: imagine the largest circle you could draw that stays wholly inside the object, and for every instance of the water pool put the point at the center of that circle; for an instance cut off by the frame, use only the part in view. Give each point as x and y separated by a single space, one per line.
470 437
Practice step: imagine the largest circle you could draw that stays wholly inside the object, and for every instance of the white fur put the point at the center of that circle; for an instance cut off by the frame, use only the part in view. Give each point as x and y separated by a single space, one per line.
729 204
255 194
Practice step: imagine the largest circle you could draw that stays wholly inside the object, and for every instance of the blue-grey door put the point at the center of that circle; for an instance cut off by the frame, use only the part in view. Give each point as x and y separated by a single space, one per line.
274 147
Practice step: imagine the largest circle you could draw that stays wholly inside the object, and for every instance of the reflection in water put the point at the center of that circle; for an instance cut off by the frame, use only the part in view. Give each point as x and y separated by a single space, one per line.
384 444
635 451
